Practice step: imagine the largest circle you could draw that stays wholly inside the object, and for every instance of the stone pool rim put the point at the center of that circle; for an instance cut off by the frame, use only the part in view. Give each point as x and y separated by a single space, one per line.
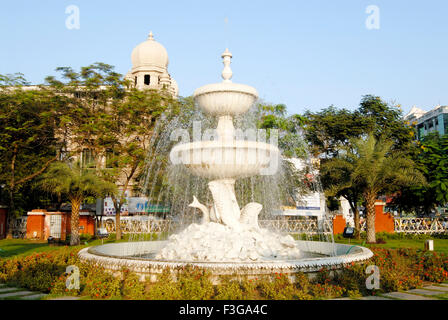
345 255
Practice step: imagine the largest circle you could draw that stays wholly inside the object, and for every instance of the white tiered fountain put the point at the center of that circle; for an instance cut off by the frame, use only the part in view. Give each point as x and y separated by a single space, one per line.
229 239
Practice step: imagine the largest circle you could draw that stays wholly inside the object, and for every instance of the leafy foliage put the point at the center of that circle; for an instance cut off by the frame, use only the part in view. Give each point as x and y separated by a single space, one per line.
371 166
432 160
77 183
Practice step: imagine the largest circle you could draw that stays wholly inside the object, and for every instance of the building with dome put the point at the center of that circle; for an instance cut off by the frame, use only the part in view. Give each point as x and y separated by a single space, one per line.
150 67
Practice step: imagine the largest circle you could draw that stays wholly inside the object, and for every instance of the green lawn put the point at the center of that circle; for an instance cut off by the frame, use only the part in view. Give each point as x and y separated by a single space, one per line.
15 247
440 245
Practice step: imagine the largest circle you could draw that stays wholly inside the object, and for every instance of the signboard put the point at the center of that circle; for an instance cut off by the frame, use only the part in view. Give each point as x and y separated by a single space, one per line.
109 209
133 205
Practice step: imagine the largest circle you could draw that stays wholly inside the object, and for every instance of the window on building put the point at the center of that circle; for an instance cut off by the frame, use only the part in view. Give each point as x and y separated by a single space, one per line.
88 158
135 80
147 79
110 158
445 123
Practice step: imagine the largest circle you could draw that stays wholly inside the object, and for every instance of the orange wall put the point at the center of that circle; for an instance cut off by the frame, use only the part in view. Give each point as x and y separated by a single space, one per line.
35 223
3 213
339 224
384 222
86 225
41 225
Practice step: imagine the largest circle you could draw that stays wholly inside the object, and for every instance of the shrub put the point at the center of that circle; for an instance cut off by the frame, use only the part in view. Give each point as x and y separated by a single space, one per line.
400 269
229 290
195 284
164 289
100 284
132 287
37 271
279 287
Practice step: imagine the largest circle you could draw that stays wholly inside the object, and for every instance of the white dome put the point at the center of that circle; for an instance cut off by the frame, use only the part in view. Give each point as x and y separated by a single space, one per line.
150 53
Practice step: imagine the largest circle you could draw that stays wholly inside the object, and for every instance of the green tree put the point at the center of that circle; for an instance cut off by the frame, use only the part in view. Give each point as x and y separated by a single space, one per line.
374 167
290 127
338 183
30 137
331 129
114 123
77 184
432 160
386 121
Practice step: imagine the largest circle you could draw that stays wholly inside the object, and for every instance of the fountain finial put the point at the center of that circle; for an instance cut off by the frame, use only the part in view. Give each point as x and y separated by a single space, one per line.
227 71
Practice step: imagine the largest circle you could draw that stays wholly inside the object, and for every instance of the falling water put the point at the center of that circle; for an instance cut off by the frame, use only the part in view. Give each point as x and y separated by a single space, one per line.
173 186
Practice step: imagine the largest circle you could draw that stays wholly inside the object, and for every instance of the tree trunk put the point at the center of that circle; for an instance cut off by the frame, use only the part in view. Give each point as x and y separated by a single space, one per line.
117 224
10 215
357 224
356 219
74 237
370 214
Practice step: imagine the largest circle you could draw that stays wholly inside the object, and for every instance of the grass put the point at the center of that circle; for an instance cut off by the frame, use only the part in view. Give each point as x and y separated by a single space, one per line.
440 245
17 247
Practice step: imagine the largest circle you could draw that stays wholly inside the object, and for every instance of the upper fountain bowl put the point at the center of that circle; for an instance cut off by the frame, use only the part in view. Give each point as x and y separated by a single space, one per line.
226 98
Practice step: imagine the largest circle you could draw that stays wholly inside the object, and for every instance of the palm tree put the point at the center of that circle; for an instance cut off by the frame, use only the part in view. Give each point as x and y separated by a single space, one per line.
337 180
77 184
372 167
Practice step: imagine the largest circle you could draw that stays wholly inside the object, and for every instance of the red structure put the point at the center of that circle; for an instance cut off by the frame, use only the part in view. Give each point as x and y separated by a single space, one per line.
384 222
42 224
3 213
339 224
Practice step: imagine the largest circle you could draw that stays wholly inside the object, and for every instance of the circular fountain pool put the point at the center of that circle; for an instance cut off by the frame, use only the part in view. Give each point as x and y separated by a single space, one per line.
136 256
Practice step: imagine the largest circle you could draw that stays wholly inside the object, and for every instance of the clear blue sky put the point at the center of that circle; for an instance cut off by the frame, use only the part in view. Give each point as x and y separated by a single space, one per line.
306 54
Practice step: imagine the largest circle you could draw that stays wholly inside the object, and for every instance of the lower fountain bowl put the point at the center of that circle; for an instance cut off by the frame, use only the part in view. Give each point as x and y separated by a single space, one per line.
131 255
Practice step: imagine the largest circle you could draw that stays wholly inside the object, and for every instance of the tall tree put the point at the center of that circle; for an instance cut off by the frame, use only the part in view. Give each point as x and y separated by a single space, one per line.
332 130
112 124
338 183
290 127
77 183
30 136
386 121
329 130
374 167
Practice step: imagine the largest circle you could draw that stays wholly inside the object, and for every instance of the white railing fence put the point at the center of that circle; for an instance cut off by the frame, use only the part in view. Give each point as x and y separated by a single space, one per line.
304 226
421 225
134 225
417 225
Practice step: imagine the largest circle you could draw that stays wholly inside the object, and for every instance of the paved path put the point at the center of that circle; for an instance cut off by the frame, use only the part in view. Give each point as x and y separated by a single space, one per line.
13 293
431 292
